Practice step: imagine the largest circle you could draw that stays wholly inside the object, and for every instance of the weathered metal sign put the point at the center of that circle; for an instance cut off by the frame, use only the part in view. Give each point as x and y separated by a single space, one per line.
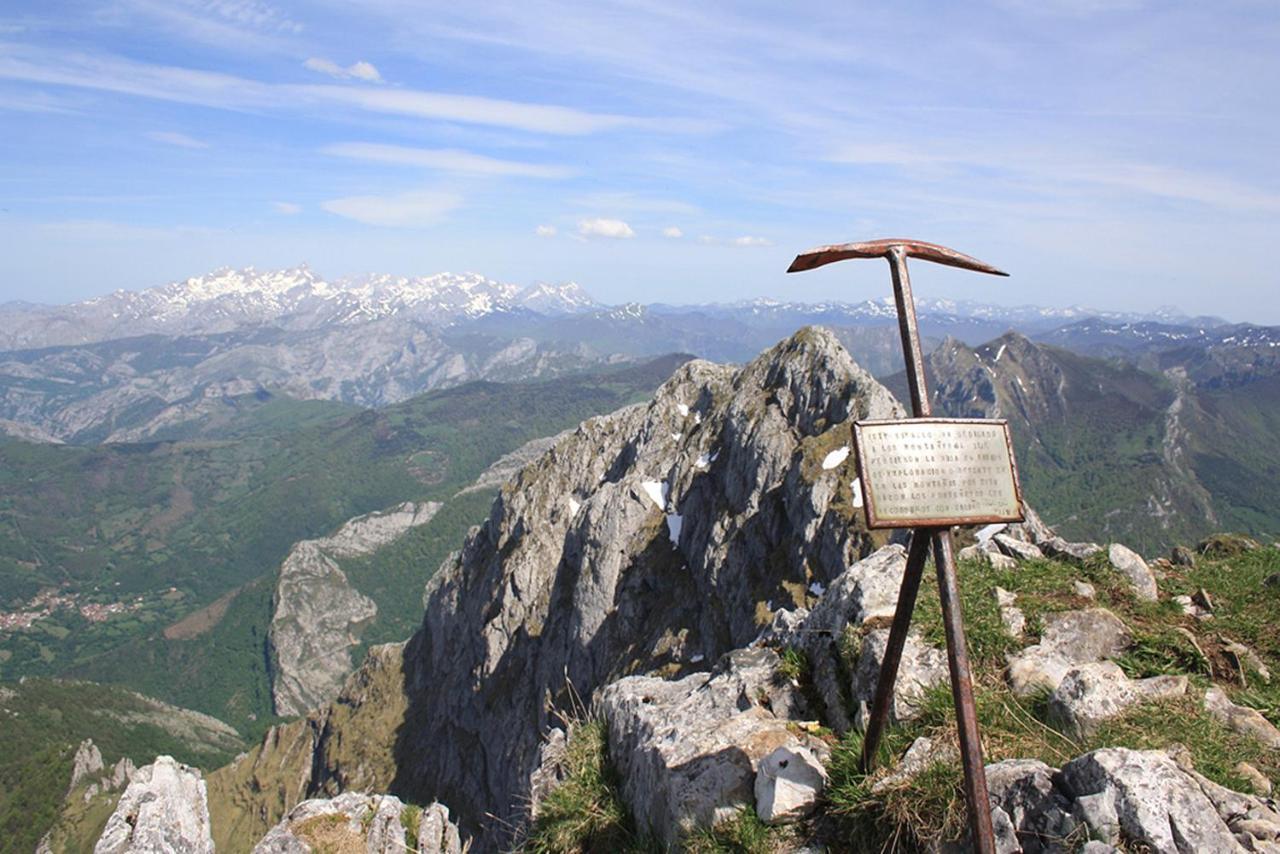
929 472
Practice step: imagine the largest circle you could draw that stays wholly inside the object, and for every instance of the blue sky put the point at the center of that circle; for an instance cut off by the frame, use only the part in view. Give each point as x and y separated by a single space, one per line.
1121 155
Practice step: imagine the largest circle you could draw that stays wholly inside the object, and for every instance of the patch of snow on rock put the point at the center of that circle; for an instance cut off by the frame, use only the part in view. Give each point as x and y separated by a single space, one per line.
836 457
657 493
674 523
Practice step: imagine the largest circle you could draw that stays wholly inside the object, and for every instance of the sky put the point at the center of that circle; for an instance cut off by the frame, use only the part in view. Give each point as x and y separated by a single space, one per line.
1120 155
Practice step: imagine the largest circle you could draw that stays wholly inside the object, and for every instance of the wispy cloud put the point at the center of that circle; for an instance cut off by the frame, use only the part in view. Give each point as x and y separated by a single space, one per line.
744 242
603 227
286 208
443 159
357 70
403 210
175 138
233 25
226 91
545 231
672 232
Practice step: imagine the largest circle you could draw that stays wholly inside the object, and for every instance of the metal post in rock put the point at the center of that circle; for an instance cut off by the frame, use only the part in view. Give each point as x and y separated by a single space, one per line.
925 537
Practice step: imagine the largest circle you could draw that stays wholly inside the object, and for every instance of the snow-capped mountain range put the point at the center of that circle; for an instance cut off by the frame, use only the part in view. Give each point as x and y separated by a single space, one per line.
296 299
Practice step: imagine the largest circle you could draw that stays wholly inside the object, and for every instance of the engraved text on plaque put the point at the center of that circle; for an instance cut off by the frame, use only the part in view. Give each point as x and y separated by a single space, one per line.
937 471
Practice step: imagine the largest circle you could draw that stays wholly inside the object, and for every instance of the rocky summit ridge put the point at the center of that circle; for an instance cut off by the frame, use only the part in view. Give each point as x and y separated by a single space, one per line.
694 574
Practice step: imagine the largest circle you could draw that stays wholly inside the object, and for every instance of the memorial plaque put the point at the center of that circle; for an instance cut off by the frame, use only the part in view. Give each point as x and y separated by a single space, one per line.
937 472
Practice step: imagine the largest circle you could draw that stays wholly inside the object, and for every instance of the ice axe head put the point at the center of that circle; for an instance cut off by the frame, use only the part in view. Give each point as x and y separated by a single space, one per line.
885 249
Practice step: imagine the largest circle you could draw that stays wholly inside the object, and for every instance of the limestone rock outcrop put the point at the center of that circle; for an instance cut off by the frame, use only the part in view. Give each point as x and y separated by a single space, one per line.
689 751
376 824
318 615
1070 638
164 809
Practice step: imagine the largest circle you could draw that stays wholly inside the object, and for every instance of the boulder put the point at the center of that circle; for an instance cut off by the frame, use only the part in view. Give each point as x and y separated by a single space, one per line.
789 782
1182 556
1093 693
1131 565
690 752
1015 548
1069 639
369 824
164 809
1022 790
1059 549
1084 590
1144 797
1241 719
922 667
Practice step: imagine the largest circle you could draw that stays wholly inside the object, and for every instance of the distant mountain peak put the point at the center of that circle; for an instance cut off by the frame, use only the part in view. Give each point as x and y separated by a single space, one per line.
557 298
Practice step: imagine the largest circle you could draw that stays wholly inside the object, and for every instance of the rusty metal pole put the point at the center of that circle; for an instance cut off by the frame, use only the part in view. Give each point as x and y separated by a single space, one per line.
922 539
975 778
878 714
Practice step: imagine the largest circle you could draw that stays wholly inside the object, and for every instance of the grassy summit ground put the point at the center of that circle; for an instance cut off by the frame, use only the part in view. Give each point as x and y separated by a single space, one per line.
587 814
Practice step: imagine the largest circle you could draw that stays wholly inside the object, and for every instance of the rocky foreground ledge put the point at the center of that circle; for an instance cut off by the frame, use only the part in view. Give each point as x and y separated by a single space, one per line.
690 581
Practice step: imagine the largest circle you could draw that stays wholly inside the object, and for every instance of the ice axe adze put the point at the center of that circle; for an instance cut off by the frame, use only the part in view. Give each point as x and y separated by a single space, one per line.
897 252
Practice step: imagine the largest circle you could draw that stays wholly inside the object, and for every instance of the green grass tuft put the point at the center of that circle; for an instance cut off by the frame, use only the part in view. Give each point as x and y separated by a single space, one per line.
585 813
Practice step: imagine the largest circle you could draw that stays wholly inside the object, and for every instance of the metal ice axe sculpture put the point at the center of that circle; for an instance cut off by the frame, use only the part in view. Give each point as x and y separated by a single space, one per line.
897 252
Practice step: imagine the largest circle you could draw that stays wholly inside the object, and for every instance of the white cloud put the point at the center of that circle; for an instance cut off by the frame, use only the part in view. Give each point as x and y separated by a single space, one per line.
602 227
287 208
404 210
358 70
672 231
444 159
545 231
179 139
748 240
707 240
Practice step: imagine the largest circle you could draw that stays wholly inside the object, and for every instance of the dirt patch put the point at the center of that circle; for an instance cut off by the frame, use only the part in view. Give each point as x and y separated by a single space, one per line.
198 622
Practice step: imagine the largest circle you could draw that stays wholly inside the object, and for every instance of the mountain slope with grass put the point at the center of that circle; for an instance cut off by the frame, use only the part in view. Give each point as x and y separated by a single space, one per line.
1108 449
154 565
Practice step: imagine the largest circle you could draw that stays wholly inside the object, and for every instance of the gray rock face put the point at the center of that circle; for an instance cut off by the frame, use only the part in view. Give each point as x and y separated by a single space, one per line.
921 668
164 809
689 751
1145 796
87 762
867 589
1093 693
376 824
1069 639
319 616
576 576
1131 565
1038 814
